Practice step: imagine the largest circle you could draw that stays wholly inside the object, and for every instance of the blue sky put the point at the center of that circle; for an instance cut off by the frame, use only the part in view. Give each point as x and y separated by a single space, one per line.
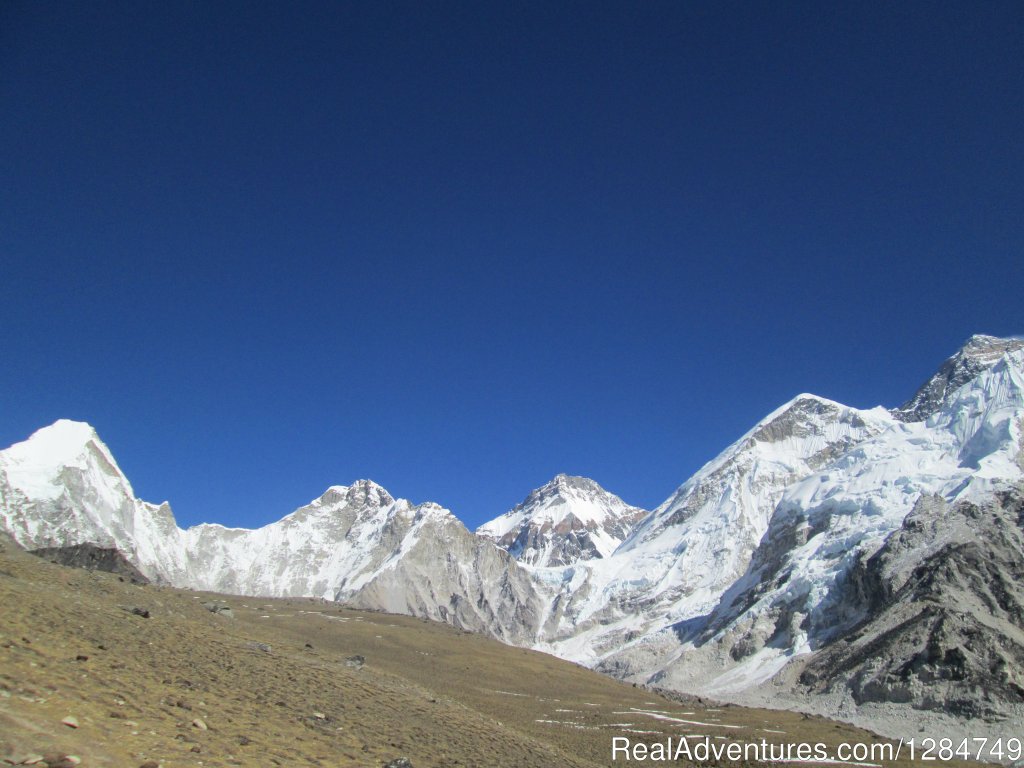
461 247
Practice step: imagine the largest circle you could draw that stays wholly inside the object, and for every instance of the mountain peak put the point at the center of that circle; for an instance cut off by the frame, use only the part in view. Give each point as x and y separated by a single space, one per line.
978 354
58 444
990 348
804 415
563 489
362 492
563 482
569 518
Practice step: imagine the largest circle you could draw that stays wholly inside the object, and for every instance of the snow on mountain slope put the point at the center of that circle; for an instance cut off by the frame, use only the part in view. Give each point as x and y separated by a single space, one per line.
978 354
567 520
677 562
359 545
709 528
797 595
331 545
62 487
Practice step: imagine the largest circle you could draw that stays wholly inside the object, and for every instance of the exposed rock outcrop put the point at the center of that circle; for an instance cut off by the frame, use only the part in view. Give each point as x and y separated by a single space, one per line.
944 598
93 558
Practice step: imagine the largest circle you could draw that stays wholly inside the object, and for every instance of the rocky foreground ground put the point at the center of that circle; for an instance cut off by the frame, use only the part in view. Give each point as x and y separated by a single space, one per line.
98 671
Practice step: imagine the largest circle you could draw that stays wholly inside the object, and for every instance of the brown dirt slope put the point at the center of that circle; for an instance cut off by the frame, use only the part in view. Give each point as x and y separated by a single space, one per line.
269 685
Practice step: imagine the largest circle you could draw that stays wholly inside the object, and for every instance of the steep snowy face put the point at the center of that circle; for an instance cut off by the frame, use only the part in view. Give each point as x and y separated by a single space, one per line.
701 539
62 487
977 355
563 522
678 561
796 594
322 549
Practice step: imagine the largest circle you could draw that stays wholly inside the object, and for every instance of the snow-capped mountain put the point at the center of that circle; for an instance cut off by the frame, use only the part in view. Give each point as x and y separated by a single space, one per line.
677 562
359 545
62 487
966 451
824 535
564 521
803 591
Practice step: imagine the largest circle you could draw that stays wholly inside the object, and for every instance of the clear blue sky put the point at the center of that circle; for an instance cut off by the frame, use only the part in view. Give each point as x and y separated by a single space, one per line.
460 247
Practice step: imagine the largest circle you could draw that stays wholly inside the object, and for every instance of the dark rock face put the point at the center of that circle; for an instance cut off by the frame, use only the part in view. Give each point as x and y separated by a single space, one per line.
93 558
945 604
796 421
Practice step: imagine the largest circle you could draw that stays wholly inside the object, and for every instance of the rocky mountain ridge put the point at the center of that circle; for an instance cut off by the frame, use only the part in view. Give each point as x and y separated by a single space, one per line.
978 354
